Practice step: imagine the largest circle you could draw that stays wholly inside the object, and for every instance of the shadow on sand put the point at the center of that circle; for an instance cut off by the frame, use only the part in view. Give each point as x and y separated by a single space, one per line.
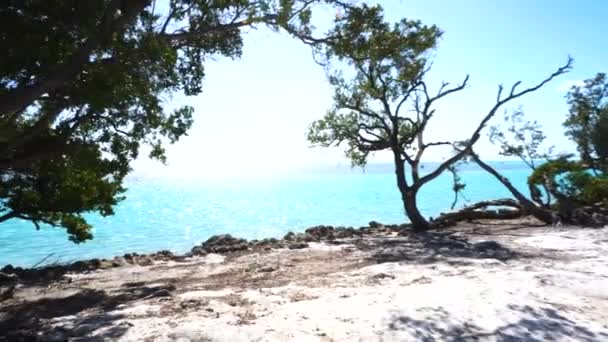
29 321
532 324
430 247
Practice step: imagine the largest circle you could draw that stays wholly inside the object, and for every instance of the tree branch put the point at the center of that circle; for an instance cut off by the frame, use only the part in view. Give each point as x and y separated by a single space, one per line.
476 134
8 216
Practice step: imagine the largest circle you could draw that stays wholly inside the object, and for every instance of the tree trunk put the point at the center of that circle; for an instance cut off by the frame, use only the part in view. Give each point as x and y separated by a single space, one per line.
411 209
408 196
526 204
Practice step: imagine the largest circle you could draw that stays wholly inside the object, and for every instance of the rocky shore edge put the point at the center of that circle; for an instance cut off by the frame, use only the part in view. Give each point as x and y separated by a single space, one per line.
220 244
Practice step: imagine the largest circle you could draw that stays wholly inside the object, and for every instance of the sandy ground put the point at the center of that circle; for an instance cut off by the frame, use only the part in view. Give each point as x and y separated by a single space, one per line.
538 284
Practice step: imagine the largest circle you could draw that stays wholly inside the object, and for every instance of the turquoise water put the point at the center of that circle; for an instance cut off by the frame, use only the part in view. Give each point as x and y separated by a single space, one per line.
177 214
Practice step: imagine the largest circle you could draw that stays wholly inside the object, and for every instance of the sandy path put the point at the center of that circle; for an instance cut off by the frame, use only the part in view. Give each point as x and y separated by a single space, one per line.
539 284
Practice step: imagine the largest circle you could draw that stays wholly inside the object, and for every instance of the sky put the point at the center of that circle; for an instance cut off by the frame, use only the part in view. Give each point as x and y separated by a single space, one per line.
253 113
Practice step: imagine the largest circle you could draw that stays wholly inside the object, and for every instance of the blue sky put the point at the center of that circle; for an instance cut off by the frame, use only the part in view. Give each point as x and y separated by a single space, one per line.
253 113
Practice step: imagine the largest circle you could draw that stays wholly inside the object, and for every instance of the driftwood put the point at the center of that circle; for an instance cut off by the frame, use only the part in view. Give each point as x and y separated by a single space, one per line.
480 210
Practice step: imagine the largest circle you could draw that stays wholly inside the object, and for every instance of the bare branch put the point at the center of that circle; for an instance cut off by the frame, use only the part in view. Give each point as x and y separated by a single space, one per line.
438 143
476 134
499 93
513 88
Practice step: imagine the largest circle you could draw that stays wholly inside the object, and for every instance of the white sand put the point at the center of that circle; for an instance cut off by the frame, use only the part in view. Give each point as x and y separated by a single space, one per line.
557 291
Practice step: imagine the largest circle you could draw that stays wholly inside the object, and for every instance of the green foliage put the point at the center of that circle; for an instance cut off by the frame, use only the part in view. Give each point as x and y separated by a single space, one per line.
522 139
388 60
84 85
458 185
587 121
583 182
572 180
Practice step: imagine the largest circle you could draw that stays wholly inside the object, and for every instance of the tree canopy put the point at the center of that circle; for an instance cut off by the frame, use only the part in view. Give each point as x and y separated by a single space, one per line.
85 84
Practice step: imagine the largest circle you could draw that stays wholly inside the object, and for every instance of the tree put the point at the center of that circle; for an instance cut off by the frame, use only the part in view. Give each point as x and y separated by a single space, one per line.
84 86
584 182
573 183
523 140
587 121
389 64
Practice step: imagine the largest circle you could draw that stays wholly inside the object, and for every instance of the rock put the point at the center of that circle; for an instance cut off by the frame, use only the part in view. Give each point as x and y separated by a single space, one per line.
321 232
145 261
224 243
129 258
78 266
305 237
8 293
160 293
198 250
298 245
487 246
7 269
118 261
94 263
163 255
374 224
7 277
267 268
290 236
308 238
105 264
347 233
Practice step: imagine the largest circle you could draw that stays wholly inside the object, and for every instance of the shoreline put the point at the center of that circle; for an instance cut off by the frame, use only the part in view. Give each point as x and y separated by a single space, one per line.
221 244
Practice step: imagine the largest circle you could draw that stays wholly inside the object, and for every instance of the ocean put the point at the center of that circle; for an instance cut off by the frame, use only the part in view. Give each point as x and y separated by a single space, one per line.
176 214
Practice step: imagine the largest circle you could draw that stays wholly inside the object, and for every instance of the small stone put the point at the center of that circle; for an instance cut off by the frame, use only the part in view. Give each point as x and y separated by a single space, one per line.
267 268
298 245
145 261
160 293
118 261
